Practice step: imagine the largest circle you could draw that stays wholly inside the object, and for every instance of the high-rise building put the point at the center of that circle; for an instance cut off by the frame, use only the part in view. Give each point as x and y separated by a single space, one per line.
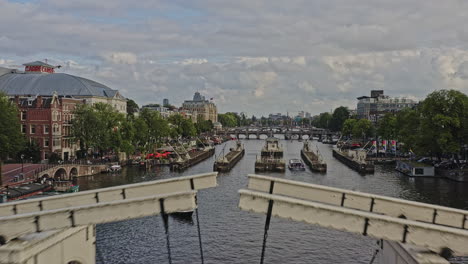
201 108
374 106
165 102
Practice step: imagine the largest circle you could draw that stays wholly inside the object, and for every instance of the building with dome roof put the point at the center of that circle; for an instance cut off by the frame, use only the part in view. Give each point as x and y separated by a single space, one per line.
39 78
46 101
200 108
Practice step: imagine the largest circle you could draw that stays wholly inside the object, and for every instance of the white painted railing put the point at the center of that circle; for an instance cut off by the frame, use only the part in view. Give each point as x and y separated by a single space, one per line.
362 201
122 192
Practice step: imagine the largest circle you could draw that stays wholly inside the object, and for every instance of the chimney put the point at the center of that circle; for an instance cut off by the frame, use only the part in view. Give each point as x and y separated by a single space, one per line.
17 99
39 101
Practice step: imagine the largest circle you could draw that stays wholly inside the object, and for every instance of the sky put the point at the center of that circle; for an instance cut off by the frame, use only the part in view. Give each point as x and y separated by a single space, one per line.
253 56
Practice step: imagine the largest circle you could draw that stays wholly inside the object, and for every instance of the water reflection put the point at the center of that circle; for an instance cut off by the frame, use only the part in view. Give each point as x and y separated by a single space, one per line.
234 236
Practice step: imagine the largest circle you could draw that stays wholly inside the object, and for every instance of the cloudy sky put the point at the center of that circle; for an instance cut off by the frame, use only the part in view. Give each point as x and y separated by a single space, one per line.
255 56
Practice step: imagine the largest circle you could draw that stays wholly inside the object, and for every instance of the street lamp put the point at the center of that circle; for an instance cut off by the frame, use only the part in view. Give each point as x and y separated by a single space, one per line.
22 162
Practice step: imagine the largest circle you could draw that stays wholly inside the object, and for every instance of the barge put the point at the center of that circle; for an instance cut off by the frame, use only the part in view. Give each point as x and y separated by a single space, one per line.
355 159
271 157
192 158
226 162
314 161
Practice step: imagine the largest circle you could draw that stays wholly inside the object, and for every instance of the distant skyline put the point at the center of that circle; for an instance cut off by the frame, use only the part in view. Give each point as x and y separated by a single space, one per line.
258 57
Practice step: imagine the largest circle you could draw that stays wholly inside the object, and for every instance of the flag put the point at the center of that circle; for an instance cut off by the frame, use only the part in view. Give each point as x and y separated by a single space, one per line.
374 146
384 145
393 144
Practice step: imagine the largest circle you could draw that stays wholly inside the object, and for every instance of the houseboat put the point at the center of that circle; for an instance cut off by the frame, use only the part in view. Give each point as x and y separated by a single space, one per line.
271 157
226 162
415 169
314 160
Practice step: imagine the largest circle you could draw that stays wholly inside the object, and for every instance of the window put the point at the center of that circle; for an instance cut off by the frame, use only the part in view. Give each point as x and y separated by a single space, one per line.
56 129
418 171
23 115
54 116
33 129
46 129
46 142
23 129
57 143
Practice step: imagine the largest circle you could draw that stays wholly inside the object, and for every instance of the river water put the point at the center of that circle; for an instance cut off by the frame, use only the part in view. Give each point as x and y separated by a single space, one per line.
233 236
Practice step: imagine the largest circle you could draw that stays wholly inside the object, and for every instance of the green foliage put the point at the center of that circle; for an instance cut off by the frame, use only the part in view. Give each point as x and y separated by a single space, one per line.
132 107
182 126
98 127
204 126
338 118
11 139
347 129
357 128
362 129
229 119
31 151
323 120
444 120
387 126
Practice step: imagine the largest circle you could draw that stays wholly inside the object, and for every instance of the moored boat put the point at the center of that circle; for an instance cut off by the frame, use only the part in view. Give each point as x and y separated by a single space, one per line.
415 169
314 160
296 165
355 159
226 162
271 157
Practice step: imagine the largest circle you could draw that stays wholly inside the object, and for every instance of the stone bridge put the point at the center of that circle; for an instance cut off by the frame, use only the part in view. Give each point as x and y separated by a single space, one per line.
289 133
68 171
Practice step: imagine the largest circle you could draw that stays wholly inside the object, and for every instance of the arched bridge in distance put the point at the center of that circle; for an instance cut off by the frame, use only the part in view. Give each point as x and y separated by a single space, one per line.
289 133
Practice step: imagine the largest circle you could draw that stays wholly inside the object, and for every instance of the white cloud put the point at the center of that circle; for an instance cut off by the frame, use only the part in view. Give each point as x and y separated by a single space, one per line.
315 54
121 57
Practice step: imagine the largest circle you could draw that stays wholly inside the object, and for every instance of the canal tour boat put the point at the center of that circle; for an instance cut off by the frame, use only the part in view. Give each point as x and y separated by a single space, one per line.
296 165
314 160
271 157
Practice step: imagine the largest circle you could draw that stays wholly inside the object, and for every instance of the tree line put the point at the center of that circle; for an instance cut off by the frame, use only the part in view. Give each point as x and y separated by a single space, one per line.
437 126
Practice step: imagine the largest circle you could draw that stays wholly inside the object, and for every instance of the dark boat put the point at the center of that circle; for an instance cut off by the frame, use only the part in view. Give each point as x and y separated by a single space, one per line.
314 160
227 162
271 157
355 159
296 165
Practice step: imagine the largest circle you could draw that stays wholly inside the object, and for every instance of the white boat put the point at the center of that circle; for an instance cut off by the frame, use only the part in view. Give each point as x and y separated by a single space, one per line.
114 168
296 164
415 169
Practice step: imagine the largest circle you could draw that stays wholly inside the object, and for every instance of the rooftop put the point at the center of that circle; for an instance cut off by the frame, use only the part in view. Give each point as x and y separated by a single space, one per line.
47 84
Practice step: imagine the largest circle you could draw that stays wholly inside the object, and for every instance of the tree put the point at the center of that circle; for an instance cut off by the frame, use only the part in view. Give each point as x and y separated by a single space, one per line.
182 126
444 120
362 128
11 139
407 122
204 126
132 107
347 129
323 120
229 119
387 126
31 151
338 118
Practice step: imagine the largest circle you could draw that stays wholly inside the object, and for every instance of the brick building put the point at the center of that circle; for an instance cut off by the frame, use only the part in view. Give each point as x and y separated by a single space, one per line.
47 121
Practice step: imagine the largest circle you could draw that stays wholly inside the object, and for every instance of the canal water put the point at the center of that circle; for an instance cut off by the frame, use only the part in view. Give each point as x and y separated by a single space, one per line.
233 236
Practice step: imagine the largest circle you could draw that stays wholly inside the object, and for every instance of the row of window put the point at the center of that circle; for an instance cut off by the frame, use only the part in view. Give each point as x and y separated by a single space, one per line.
55 116
33 128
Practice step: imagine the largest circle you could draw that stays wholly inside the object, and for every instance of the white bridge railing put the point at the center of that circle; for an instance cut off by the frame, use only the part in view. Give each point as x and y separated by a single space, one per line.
429 226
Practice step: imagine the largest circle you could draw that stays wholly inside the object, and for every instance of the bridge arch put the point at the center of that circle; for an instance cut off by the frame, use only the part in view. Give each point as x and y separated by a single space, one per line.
61 174
73 172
